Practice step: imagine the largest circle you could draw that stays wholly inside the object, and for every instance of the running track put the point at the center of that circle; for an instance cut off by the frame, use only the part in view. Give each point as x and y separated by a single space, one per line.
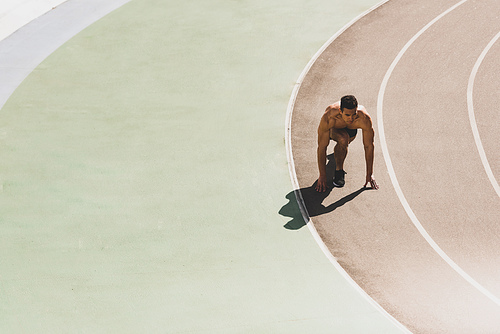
425 246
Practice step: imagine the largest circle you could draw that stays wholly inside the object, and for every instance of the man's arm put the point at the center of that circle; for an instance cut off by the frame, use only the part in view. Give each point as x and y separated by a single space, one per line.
368 143
323 141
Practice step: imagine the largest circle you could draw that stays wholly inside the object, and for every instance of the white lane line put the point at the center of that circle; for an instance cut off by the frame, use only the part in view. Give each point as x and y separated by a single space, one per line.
23 51
295 182
472 118
390 168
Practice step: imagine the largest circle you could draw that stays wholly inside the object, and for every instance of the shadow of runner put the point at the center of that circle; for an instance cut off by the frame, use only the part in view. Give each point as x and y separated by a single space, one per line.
313 200
292 210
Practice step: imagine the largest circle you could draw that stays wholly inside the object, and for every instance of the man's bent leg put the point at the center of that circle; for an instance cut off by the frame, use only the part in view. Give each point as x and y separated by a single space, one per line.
340 153
340 150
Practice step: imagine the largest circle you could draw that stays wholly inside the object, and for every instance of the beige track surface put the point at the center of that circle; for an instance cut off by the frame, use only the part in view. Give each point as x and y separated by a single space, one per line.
432 149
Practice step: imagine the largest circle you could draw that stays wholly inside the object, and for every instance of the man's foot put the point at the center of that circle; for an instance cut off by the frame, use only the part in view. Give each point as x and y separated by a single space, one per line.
339 180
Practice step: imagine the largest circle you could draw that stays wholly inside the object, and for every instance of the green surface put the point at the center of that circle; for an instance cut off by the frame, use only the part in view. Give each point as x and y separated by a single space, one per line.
143 170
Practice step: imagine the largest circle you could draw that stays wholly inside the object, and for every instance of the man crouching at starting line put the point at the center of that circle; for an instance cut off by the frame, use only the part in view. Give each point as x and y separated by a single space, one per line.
340 123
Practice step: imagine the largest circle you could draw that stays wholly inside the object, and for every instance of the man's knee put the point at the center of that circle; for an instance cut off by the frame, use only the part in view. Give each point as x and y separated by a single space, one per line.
342 140
340 136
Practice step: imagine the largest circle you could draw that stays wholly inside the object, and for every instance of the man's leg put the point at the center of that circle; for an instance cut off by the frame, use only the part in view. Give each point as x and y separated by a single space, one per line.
342 139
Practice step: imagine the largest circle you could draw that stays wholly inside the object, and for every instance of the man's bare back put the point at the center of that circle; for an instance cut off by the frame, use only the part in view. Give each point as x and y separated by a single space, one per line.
340 124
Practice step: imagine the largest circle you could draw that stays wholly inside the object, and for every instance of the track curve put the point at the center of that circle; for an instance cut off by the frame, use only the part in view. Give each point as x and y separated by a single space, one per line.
449 286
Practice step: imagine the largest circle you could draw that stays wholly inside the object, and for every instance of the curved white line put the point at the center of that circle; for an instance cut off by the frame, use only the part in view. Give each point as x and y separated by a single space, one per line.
472 118
392 174
295 182
24 50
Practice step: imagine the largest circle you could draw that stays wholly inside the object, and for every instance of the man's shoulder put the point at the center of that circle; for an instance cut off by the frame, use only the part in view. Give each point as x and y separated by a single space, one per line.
365 120
363 114
332 110
328 118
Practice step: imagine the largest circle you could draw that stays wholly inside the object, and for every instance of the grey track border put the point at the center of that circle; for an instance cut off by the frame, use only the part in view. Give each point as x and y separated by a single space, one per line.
25 49
295 183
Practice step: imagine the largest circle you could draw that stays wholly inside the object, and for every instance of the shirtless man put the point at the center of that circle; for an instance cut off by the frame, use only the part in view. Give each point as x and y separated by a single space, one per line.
340 123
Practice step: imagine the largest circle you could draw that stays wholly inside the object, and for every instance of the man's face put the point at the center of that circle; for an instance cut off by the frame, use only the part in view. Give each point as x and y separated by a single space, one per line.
348 115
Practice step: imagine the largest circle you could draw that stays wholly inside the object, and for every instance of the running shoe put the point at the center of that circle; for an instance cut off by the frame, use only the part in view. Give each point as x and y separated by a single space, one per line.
339 180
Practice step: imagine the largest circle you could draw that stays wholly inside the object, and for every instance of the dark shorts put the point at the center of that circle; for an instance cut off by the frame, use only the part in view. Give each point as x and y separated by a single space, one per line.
351 132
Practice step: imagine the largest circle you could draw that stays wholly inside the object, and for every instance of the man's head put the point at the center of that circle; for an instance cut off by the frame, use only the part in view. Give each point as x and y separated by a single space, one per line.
348 108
